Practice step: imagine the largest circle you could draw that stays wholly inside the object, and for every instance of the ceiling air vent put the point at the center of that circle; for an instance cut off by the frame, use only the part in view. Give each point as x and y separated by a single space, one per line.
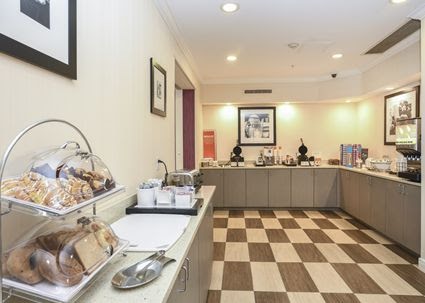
258 91
403 32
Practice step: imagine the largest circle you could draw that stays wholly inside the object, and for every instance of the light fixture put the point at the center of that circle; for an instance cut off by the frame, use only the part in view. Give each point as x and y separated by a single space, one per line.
231 58
347 101
337 56
389 88
228 104
397 1
229 7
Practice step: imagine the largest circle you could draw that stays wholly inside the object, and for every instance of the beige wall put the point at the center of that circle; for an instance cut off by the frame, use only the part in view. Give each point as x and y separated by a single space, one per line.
110 99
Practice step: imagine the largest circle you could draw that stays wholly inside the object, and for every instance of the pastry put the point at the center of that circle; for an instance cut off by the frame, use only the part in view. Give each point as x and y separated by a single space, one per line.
53 241
22 264
89 252
104 235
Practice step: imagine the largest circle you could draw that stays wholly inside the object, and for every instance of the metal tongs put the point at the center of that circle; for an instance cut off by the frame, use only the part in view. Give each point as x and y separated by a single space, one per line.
142 272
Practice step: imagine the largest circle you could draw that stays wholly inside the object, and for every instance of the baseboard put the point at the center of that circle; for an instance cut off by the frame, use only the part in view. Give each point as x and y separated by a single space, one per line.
421 264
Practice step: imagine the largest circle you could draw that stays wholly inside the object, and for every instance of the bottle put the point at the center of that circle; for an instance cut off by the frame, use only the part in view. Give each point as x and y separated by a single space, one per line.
279 155
275 155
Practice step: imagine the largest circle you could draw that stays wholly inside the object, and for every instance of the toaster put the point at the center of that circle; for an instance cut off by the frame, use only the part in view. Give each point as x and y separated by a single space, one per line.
181 178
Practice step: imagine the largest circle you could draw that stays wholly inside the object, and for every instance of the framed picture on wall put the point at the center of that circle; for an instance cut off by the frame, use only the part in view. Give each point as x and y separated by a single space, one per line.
257 126
401 105
158 89
41 32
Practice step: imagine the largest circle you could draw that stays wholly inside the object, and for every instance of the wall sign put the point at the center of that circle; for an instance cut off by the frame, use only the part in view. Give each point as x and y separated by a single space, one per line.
210 146
257 126
41 32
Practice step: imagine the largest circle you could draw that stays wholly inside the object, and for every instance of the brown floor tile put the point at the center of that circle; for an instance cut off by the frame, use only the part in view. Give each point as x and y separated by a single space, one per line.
219 248
357 224
325 224
318 236
330 214
253 223
237 276
277 236
213 296
236 235
412 275
267 214
358 253
260 252
220 223
289 223
271 297
308 252
296 278
340 298
357 279
359 236
409 299
298 214
411 258
236 214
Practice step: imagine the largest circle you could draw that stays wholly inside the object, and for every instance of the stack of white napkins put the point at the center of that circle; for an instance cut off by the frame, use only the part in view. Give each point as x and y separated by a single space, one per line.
151 232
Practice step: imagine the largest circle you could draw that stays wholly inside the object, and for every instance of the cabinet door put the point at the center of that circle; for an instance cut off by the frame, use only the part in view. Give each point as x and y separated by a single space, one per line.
353 194
377 199
412 218
215 177
279 187
345 189
395 210
257 188
364 199
302 180
234 183
205 253
325 188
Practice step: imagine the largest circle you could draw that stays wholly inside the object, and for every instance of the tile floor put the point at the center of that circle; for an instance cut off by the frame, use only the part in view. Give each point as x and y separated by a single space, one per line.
308 256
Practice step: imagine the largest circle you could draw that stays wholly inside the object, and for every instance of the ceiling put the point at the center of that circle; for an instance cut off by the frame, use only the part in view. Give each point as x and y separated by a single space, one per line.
260 31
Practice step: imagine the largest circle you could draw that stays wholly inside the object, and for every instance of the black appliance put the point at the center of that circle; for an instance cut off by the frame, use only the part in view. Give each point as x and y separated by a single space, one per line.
236 160
408 143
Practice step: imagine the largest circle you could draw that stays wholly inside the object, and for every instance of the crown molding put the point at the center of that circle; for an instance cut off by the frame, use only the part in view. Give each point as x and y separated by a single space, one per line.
418 14
167 16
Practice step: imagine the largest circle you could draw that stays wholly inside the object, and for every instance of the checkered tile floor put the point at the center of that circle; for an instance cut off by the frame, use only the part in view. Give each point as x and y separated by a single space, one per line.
308 256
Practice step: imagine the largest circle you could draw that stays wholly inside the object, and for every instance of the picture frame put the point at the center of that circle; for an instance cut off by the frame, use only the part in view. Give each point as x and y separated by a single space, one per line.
402 104
158 89
41 32
257 126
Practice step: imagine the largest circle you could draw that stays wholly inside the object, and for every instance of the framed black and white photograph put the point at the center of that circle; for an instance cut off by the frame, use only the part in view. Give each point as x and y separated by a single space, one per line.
257 126
401 105
158 89
41 32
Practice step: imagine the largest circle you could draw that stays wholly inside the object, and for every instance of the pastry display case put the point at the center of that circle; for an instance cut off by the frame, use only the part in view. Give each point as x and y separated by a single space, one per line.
58 262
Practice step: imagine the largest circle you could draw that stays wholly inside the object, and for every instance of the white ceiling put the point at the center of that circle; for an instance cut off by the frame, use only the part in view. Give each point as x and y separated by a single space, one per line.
259 33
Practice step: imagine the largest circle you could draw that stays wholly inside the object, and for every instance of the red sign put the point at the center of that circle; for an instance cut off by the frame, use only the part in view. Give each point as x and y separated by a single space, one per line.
209 144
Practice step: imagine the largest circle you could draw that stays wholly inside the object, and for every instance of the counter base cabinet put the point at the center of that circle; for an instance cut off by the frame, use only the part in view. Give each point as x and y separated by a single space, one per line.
234 183
412 218
378 201
302 188
365 212
257 188
214 177
279 188
205 253
325 188
395 206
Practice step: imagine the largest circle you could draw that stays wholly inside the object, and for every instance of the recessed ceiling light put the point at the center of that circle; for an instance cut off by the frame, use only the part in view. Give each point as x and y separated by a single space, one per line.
228 104
337 56
231 58
229 7
397 1
389 88
347 101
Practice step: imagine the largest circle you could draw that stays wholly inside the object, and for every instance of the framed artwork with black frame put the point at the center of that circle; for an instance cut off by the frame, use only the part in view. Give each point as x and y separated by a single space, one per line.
257 126
158 89
41 32
401 105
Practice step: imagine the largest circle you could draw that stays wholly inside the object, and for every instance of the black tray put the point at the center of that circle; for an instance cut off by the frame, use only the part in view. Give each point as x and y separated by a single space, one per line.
192 211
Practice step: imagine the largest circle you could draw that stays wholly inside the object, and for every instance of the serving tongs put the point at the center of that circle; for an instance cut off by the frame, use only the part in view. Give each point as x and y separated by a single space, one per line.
142 272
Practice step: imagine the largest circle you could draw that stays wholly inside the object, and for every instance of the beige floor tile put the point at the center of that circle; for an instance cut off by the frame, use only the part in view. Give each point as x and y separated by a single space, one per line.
284 252
338 236
297 236
314 214
217 275
236 223
326 278
383 254
269 223
305 297
388 280
306 223
377 237
282 214
251 214
221 214
342 214
220 234
236 252
266 277
342 224
333 253
237 296
256 235
375 298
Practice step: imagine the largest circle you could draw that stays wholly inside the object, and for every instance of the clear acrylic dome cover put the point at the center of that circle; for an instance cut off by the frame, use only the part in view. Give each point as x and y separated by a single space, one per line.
63 255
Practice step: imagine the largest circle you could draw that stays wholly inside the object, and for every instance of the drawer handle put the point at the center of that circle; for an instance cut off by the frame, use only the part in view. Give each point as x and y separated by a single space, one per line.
188 268
185 279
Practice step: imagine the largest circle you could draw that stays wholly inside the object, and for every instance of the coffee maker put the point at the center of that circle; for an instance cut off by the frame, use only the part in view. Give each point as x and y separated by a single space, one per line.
408 143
